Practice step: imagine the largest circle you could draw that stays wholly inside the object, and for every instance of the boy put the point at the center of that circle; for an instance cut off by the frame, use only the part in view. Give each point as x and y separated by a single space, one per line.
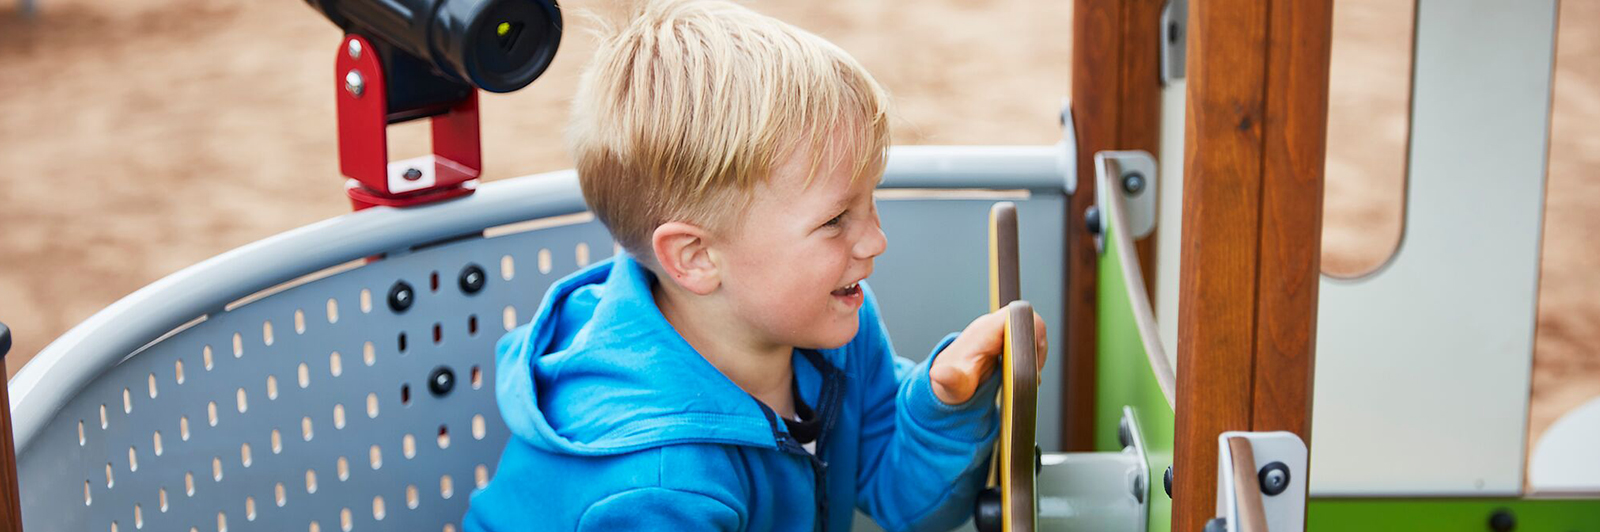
730 370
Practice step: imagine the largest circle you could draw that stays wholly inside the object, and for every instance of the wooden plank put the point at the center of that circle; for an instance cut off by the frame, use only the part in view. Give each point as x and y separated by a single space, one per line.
1256 125
10 498
1139 103
1295 143
1094 52
1116 105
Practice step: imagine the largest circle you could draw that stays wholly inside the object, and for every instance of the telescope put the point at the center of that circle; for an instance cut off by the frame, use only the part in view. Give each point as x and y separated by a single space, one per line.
403 60
494 45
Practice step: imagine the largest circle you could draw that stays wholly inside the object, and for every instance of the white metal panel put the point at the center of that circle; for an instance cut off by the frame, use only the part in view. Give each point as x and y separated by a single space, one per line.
1423 367
1565 461
1169 219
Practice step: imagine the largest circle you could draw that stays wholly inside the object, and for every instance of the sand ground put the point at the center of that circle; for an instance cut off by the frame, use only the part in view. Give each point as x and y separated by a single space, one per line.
141 136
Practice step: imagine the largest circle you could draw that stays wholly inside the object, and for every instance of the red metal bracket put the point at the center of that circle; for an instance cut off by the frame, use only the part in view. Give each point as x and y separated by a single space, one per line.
363 101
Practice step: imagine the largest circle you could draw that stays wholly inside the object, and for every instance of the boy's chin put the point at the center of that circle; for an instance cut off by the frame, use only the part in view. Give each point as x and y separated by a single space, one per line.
832 339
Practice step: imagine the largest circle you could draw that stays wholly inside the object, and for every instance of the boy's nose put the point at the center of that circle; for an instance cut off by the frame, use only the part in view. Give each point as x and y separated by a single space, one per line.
872 244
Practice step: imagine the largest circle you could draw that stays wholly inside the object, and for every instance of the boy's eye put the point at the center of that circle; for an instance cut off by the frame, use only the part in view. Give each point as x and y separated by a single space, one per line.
836 220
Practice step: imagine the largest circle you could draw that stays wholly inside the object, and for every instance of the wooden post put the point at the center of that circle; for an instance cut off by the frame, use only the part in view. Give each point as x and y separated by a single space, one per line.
10 498
1116 105
1252 220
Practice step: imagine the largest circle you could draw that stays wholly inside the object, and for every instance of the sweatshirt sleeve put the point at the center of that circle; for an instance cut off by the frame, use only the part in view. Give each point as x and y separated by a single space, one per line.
923 461
659 509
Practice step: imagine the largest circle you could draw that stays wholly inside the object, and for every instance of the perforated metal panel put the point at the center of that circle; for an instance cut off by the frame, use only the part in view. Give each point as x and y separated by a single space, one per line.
309 409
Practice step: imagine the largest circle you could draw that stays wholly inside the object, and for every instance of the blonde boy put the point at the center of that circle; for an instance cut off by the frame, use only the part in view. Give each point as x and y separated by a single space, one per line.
730 370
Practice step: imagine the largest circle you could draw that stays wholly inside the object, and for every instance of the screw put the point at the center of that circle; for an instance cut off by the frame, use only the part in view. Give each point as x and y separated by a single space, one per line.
1166 481
1124 433
1172 33
1274 478
354 48
1138 488
400 297
412 174
1091 223
441 381
1502 521
354 83
1133 183
472 279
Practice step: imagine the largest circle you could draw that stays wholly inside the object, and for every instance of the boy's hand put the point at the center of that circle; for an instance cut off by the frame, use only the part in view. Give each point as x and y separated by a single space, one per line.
968 361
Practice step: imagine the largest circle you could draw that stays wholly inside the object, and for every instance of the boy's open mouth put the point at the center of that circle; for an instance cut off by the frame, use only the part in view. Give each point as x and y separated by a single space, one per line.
848 291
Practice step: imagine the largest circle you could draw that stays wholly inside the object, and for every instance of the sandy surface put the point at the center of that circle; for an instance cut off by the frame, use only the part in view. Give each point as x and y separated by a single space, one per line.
142 136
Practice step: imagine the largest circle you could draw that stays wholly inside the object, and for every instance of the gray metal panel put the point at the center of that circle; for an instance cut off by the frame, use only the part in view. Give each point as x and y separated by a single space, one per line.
130 344
54 474
1422 375
934 278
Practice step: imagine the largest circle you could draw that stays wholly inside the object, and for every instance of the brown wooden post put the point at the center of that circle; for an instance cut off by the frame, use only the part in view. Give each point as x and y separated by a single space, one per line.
10 498
1116 105
1252 219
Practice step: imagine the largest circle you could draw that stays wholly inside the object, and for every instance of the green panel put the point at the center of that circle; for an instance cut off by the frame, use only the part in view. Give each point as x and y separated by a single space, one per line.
1381 515
1124 378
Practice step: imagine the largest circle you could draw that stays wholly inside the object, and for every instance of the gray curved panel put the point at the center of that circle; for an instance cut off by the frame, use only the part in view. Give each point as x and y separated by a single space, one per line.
299 409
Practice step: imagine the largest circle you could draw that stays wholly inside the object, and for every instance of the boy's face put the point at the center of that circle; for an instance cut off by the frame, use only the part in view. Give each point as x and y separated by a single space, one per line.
793 266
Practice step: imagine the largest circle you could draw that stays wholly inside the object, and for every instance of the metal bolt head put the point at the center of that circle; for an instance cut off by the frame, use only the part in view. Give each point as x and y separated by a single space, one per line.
412 174
472 279
441 380
1138 488
1274 478
401 297
354 83
1502 520
354 49
1124 432
1133 183
1091 223
1166 481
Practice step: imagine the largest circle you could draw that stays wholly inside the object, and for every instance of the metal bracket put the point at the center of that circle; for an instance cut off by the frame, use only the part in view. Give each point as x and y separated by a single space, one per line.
1068 149
1106 491
1133 175
1174 34
1261 482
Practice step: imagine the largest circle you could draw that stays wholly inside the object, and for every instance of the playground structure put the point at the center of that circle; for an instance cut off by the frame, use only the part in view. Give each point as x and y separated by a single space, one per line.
1239 368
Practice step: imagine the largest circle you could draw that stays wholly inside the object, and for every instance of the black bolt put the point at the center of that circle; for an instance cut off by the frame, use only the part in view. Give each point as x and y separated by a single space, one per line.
472 279
1502 520
1219 524
441 381
5 340
1274 478
986 514
1166 481
1091 220
1133 183
412 174
1138 489
1124 433
1038 459
401 297
1172 32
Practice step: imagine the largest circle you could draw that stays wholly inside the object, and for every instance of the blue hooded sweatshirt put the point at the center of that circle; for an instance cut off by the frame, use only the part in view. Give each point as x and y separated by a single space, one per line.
619 424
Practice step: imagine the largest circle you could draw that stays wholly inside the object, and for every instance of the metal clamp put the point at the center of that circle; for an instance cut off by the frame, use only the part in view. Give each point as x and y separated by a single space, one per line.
1133 175
1174 33
1261 482
1106 491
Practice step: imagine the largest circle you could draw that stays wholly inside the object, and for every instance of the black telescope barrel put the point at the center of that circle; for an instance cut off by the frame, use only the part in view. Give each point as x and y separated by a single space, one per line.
495 45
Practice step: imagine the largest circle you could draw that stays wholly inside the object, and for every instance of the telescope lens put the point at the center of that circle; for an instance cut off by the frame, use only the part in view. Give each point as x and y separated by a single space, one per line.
510 44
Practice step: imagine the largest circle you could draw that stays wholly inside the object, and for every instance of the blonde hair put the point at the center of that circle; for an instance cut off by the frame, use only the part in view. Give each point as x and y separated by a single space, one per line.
688 106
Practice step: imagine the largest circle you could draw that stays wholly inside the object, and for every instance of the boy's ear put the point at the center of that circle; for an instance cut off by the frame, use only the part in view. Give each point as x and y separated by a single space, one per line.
684 254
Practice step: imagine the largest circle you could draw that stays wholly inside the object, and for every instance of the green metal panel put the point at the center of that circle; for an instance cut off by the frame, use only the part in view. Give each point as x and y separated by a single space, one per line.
1408 515
1123 378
